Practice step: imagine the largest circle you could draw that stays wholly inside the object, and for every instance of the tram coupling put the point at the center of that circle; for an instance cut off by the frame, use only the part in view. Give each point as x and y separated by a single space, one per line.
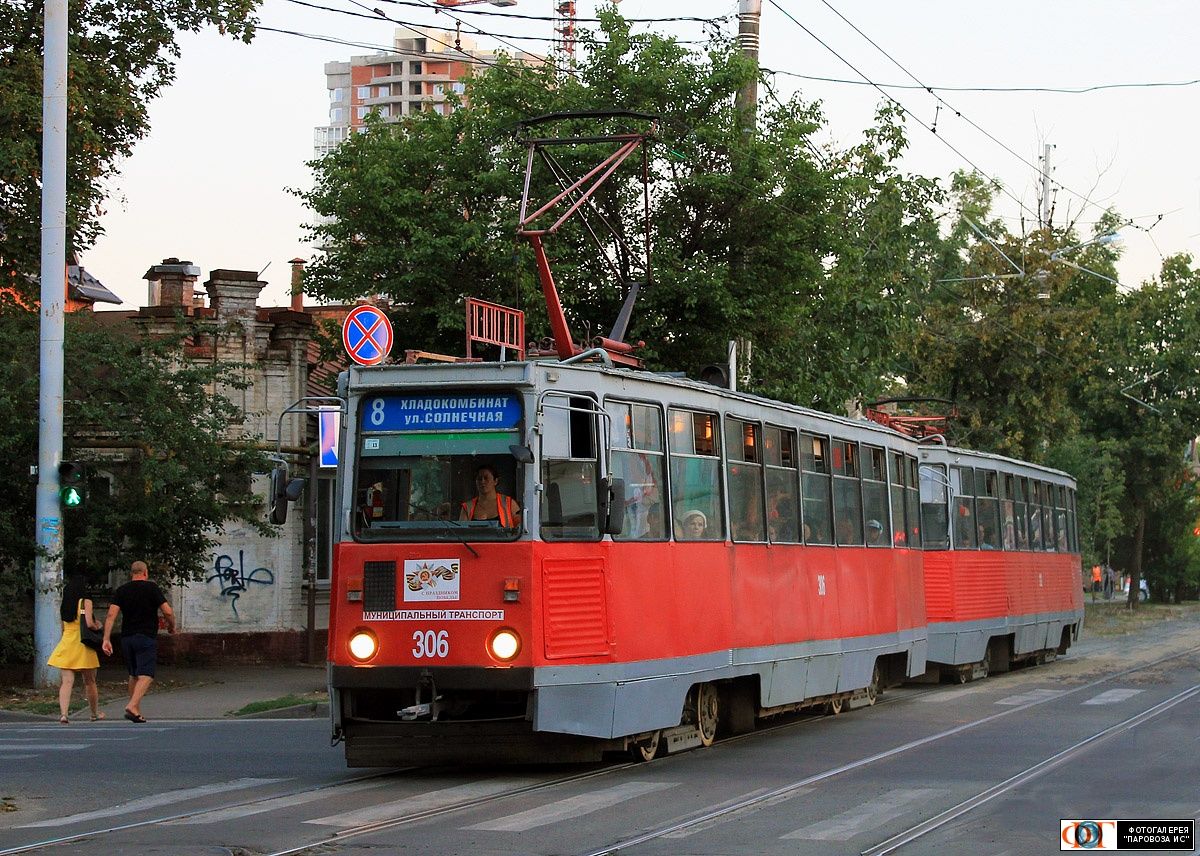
422 710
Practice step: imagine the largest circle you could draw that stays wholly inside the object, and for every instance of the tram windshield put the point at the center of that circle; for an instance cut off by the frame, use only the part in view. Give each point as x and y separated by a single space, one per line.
438 467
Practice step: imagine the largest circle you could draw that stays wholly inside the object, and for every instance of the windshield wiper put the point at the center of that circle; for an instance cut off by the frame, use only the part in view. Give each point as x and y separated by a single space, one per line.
456 524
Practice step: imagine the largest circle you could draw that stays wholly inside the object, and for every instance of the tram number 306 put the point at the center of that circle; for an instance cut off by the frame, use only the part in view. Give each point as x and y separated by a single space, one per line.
430 644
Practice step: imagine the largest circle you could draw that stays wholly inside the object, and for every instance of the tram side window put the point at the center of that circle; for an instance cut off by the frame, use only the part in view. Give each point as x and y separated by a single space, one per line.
935 519
568 506
783 485
638 458
814 461
1008 527
695 476
1048 522
962 486
743 455
1060 517
912 504
987 508
1072 521
897 474
1035 515
875 497
847 493
1021 512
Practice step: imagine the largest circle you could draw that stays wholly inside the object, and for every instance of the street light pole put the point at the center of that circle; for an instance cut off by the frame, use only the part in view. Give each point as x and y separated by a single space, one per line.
746 100
48 564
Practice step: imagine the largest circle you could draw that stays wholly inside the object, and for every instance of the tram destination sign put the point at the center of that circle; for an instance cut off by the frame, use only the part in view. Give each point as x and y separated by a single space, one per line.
464 412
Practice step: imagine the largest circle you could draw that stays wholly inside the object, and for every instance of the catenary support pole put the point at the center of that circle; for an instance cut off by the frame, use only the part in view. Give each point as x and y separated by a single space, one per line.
48 565
746 102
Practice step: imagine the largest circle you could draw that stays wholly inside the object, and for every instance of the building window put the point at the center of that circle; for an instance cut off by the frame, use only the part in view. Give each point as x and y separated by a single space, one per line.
383 91
414 68
326 523
459 88
362 93
362 112
338 93
337 115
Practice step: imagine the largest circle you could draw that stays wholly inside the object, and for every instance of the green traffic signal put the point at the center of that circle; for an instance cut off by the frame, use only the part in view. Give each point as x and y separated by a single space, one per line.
73 487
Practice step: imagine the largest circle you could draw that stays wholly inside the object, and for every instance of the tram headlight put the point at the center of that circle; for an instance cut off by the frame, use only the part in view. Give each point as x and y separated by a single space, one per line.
504 644
363 645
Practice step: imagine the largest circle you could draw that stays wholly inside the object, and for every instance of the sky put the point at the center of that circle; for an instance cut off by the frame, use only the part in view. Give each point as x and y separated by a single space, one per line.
231 136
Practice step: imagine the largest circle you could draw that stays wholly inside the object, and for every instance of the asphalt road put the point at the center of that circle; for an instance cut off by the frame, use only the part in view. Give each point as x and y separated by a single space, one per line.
989 768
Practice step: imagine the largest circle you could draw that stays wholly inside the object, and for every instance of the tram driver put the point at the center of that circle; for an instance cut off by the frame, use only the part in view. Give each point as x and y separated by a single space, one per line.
489 503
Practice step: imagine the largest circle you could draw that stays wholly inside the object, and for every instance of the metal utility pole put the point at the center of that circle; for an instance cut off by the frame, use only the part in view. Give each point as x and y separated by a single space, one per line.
48 565
1044 213
746 102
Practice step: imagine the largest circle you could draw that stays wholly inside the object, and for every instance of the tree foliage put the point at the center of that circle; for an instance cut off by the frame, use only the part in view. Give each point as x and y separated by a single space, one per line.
162 473
811 254
121 55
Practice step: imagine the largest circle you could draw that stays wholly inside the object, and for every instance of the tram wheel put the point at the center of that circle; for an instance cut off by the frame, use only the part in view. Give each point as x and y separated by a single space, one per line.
834 706
873 687
646 749
708 713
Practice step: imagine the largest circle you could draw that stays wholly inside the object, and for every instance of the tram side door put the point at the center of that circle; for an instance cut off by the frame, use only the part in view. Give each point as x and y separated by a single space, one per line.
580 501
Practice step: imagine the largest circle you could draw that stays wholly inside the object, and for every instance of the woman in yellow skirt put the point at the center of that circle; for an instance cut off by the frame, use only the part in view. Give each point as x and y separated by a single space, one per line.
71 656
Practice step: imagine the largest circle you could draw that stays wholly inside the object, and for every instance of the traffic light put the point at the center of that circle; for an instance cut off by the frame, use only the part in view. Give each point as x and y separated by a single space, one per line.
72 484
283 491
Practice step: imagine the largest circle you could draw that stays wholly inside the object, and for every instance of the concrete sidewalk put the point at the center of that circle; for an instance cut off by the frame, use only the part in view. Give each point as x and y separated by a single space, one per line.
184 692
217 693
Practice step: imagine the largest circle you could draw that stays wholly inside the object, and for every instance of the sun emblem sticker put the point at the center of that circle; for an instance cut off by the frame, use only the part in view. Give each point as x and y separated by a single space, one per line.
430 579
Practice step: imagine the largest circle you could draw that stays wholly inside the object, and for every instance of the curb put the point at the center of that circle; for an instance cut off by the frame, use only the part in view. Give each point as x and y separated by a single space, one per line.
20 716
312 710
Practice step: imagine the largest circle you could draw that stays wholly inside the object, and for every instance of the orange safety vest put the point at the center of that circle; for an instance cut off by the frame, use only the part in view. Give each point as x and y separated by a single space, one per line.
504 507
1095 573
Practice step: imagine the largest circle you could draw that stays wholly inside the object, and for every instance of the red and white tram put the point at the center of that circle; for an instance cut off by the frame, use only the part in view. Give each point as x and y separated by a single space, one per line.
1003 578
683 558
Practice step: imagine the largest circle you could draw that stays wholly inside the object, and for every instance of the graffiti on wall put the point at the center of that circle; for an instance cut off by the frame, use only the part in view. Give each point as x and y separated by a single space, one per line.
234 580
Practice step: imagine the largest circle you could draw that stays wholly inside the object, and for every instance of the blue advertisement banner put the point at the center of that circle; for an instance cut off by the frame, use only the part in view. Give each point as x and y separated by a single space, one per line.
464 412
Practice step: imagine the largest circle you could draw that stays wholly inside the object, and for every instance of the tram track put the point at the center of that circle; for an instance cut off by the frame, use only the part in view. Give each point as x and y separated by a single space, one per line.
707 817
766 798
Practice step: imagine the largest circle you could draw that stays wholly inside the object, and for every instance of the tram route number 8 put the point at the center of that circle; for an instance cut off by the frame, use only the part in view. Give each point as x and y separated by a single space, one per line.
430 644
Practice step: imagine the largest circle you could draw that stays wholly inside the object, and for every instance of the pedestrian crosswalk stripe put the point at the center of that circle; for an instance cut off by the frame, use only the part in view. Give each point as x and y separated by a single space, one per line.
418 803
571 807
1032 696
871 815
221 815
155 801
1113 696
738 814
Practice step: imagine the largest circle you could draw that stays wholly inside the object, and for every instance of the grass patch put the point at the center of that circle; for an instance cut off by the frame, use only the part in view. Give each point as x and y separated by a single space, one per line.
1115 618
281 702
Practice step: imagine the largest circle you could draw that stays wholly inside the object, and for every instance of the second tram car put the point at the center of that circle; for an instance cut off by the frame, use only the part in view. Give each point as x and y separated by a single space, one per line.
1003 578
675 559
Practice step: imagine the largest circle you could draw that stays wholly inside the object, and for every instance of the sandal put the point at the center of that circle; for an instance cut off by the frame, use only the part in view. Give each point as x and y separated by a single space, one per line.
134 717
98 715
62 720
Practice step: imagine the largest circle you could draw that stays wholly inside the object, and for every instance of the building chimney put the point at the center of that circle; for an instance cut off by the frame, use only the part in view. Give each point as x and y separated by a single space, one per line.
233 293
297 284
172 283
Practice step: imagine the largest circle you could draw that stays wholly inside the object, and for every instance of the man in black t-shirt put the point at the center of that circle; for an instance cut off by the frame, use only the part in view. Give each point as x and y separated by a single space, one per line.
140 601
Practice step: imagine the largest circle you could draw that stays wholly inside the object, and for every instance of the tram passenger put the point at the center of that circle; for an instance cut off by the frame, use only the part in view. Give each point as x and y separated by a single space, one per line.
987 541
488 503
781 522
692 526
875 532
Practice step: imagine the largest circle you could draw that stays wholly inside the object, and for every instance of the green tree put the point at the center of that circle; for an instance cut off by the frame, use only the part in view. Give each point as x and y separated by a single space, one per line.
1143 395
121 55
810 254
163 471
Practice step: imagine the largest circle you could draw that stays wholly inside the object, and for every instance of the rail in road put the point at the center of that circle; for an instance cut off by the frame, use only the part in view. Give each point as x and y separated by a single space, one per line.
462 805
